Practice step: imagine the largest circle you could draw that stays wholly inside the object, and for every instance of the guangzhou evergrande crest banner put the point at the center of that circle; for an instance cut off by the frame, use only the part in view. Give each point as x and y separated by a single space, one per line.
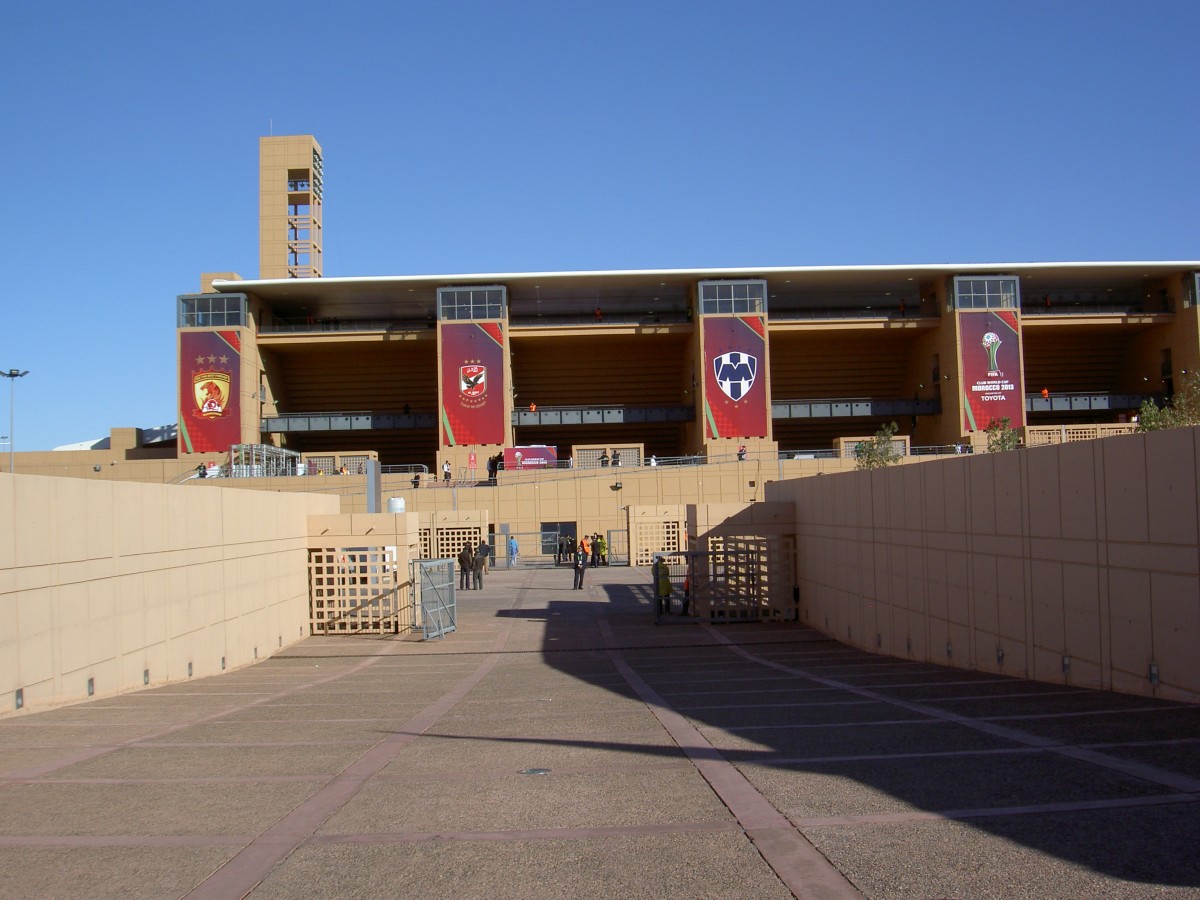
991 365
472 383
735 392
209 387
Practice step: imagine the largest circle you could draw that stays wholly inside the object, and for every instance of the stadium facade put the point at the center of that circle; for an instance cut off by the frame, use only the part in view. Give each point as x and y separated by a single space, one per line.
424 370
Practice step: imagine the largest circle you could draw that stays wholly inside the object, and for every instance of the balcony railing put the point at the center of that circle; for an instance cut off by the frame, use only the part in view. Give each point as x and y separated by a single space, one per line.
838 407
567 320
848 312
1085 401
1095 309
325 323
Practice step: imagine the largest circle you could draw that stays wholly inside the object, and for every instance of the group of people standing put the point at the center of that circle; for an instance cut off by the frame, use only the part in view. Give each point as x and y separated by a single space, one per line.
592 550
594 546
606 460
472 563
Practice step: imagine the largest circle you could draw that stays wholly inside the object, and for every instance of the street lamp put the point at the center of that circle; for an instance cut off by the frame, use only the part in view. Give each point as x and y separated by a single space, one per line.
12 375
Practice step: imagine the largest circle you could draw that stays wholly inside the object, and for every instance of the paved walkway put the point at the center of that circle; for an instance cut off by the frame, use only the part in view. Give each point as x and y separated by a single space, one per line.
561 745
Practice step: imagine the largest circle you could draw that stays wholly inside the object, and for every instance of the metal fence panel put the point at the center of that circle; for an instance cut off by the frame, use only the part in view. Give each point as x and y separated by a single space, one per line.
436 597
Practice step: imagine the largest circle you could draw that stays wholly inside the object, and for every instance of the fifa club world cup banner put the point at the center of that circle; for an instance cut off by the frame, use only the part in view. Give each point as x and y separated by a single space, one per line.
735 391
472 383
209 387
536 457
991 365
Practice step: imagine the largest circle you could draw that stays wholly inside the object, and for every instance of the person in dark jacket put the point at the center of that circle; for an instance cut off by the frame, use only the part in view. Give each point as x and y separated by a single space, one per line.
477 563
466 562
581 561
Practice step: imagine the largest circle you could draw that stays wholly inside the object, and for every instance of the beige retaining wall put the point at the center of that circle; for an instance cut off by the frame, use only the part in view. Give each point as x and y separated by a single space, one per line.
107 581
1076 563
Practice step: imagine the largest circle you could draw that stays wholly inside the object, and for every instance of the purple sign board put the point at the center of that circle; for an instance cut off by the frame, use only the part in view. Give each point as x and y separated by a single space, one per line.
536 457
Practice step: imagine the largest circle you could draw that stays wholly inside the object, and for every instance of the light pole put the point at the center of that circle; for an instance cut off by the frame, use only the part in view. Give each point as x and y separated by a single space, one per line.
12 375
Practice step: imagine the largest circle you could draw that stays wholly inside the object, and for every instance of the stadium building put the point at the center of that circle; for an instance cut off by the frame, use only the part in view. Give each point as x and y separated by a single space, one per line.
788 362
672 412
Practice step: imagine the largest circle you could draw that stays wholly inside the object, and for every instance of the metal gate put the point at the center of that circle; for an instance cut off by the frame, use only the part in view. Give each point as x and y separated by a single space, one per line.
356 590
618 547
534 548
434 596
743 578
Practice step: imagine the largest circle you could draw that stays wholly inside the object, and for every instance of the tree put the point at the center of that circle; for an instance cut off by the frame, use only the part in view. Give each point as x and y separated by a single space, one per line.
1178 412
1001 436
879 451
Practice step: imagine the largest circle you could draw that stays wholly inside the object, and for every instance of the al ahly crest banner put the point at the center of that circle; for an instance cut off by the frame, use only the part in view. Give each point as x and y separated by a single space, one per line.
209 386
472 383
735 375
991 367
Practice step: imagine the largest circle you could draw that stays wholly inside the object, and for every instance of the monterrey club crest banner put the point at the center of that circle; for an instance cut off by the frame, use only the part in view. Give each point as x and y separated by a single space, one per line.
991 366
209 387
735 391
472 383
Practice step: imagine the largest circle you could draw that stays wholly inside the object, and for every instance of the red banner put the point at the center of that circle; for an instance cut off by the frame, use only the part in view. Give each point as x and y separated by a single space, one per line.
735 376
472 383
209 388
991 365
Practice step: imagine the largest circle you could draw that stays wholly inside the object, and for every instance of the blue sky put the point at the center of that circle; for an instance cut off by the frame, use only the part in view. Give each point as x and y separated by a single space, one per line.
505 136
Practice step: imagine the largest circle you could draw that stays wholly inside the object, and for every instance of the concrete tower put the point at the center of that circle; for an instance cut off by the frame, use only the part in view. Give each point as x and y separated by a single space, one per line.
290 188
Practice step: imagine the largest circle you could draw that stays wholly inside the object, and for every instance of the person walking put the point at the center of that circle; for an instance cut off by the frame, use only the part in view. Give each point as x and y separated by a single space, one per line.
595 549
581 561
513 548
466 562
446 471
602 548
484 551
477 563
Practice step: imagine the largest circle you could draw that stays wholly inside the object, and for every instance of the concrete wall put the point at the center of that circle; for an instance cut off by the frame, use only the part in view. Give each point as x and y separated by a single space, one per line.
1076 564
104 580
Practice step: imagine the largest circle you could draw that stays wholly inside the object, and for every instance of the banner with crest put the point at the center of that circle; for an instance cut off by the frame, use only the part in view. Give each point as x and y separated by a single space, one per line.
209 387
735 375
472 383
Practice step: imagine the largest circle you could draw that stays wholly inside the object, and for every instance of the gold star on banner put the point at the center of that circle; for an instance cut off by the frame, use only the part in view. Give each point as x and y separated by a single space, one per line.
199 360
211 359
224 359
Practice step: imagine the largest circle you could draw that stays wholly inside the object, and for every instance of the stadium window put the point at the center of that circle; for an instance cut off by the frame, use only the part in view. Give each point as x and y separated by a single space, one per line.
998 292
733 297
212 310
471 303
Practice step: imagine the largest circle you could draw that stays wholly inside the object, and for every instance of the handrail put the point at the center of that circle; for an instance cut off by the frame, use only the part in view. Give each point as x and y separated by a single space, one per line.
544 320
849 312
1092 309
333 325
